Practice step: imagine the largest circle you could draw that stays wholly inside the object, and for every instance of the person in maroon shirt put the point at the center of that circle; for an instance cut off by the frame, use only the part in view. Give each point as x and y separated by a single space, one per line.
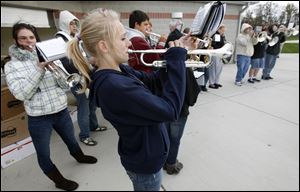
137 34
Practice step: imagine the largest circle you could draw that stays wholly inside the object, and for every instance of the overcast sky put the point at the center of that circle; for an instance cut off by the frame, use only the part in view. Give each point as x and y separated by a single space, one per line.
284 3
280 3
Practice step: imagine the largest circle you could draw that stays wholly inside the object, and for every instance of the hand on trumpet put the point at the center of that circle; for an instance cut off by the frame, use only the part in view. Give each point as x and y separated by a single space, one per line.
43 65
163 38
189 42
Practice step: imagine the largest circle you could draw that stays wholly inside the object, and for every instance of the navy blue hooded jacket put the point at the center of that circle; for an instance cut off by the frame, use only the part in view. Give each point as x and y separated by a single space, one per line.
128 102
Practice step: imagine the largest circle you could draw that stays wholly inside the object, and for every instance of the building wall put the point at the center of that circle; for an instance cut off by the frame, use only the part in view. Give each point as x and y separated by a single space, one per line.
159 12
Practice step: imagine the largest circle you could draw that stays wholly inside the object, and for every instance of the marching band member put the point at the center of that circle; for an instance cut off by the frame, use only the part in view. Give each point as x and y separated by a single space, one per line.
87 120
272 51
126 96
257 60
45 103
244 50
139 24
215 69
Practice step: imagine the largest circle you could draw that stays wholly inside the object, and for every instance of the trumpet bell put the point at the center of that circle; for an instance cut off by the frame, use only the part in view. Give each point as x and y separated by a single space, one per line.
295 32
273 41
74 80
261 37
292 32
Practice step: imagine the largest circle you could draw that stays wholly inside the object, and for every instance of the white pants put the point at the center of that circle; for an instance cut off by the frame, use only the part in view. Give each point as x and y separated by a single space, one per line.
215 70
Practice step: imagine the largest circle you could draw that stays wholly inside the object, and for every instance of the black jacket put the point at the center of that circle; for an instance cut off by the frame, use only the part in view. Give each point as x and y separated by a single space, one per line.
218 44
275 50
174 35
259 50
191 94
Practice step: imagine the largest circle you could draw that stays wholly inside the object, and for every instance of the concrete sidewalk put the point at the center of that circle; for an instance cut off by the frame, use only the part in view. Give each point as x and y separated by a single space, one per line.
236 138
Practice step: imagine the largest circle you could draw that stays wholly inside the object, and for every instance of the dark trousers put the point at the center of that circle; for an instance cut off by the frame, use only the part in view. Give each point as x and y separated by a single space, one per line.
175 130
40 128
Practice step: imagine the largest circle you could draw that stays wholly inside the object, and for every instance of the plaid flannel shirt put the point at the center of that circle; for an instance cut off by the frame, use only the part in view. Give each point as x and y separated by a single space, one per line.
41 92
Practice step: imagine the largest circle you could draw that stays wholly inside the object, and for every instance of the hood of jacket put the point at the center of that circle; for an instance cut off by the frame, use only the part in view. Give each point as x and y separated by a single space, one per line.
22 54
65 17
133 33
245 26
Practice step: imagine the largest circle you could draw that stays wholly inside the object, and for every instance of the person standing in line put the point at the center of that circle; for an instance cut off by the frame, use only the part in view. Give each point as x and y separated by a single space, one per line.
176 128
45 102
257 61
127 97
86 111
215 69
244 50
138 33
273 51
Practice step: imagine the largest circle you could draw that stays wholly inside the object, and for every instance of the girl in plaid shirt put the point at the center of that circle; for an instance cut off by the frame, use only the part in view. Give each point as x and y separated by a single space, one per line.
45 102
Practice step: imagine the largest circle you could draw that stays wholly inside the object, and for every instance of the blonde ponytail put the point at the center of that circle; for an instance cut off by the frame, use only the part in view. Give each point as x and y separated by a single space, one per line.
80 62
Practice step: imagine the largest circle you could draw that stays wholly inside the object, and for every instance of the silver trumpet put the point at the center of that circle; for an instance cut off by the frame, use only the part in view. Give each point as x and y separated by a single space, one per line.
59 72
154 36
72 80
262 36
206 41
222 52
291 32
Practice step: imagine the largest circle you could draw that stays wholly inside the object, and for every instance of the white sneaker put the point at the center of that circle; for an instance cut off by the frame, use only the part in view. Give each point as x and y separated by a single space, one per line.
238 83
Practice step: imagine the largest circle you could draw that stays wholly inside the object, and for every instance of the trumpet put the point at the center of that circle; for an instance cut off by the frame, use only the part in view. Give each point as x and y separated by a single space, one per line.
262 36
59 72
223 52
291 32
153 36
72 80
273 41
206 41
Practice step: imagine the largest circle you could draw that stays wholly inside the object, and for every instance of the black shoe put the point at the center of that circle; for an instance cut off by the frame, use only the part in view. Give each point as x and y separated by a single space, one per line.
218 85
264 78
213 86
203 88
60 181
250 81
269 77
174 168
257 80
82 158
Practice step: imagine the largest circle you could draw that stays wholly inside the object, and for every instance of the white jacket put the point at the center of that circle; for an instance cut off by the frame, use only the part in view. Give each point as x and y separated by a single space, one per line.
65 17
41 92
244 43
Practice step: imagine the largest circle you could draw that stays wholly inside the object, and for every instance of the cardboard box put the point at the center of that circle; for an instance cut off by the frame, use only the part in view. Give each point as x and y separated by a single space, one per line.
14 129
16 152
10 106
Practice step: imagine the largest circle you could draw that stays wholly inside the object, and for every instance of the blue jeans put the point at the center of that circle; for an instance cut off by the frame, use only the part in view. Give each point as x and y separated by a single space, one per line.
146 182
40 129
270 61
86 114
243 63
175 130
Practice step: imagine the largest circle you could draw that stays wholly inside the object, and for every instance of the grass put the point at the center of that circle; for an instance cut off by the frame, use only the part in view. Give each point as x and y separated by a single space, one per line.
290 48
